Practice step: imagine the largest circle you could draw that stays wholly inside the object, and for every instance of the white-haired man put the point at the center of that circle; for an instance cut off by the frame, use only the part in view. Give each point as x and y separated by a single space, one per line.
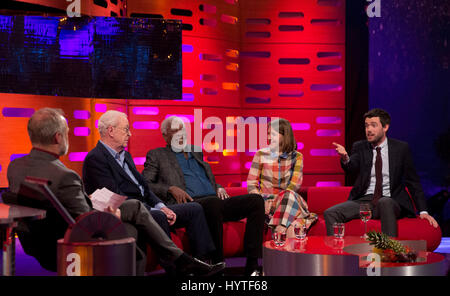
109 165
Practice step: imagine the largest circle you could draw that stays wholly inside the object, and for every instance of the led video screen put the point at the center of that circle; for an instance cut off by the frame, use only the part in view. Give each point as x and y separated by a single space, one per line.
92 57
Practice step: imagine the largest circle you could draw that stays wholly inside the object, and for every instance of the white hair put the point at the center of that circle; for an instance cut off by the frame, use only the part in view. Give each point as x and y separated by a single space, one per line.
109 118
167 124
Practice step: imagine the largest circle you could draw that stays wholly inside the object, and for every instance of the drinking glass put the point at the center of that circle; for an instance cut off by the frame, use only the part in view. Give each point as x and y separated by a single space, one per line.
300 231
279 238
365 213
338 230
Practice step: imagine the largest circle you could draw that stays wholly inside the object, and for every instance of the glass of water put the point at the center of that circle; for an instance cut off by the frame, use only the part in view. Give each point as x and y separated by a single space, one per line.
338 230
300 231
279 238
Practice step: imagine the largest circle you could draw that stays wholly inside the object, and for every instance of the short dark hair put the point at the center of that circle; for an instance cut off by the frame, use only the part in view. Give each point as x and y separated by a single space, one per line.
385 118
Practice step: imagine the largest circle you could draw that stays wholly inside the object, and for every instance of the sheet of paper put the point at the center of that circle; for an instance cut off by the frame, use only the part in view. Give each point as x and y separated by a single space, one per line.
104 198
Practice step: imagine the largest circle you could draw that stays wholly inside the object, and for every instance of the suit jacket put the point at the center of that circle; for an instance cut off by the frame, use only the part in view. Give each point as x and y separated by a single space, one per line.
162 170
38 238
401 173
100 169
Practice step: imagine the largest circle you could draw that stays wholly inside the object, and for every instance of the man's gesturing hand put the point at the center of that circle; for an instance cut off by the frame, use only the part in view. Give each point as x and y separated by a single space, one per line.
341 151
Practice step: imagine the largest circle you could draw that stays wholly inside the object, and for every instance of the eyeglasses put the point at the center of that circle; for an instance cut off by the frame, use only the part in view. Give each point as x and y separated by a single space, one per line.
125 129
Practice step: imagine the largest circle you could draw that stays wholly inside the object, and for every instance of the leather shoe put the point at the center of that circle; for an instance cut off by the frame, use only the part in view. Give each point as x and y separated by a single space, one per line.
189 266
256 272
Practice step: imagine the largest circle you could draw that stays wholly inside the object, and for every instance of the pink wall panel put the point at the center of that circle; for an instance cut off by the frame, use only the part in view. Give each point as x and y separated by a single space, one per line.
266 83
313 138
292 65
307 21
209 78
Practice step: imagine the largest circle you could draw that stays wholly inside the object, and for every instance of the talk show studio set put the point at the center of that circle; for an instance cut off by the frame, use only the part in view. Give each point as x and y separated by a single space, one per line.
207 138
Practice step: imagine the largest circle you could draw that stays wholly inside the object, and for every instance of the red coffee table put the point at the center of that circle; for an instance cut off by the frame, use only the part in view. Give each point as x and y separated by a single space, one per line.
325 255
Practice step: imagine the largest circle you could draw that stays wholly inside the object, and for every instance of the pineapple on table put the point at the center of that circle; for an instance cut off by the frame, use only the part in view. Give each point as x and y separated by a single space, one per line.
389 249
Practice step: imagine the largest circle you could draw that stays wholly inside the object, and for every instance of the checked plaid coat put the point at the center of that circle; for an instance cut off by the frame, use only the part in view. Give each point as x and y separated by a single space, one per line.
278 177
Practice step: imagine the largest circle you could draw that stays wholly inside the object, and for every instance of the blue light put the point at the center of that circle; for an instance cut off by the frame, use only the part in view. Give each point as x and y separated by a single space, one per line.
41 30
107 26
6 23
76 42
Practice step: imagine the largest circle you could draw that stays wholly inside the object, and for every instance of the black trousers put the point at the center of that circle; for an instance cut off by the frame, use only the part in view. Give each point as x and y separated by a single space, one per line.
217 211
190 216
387 211
141 225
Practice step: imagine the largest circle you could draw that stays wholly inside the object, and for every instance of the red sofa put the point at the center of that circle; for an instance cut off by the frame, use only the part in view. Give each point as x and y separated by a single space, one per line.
319 199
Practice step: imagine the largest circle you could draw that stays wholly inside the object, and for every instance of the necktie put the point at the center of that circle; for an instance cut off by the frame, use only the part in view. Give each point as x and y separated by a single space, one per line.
378 177
118 158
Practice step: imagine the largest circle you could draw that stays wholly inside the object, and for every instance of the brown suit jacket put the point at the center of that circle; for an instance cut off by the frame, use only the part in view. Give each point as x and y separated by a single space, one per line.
161 170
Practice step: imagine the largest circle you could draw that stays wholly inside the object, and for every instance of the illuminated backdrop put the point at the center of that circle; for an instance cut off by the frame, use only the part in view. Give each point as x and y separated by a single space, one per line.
247 58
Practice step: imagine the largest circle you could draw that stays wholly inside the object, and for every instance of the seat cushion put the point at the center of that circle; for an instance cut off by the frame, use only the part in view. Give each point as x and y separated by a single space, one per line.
322 198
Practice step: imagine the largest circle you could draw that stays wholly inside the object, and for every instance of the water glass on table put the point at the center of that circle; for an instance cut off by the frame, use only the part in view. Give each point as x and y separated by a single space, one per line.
365 213
279 238
300 230
338 230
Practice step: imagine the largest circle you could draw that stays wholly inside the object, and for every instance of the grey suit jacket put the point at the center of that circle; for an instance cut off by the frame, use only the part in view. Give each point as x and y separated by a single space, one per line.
38 238
66 184
161 170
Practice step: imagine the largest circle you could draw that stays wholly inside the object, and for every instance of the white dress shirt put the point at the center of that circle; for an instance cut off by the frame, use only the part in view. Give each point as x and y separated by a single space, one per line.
386 191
